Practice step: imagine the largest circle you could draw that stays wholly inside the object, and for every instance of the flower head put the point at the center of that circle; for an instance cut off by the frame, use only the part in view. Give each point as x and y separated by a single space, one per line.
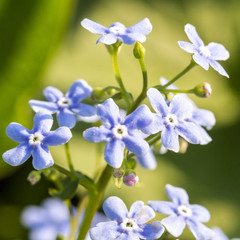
35 142
120 132
126 225
204 55
67 106
182 213
117 31
220 235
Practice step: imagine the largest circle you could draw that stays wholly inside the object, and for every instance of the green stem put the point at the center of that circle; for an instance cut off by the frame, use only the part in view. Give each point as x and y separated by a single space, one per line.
189 67
144 89
94 201
69 159
163 90
126 95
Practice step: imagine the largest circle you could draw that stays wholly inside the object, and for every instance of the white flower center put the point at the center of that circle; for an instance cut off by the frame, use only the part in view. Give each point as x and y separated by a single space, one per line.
64 102
205 51
185 211
129 224
35 138
116 29
171 119
120 131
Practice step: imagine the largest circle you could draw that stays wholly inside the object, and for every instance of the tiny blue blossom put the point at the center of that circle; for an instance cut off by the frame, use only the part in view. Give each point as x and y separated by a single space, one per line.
204 55
172 120
132 225
67 107
182 213
120 132
35 142
220 235
117 31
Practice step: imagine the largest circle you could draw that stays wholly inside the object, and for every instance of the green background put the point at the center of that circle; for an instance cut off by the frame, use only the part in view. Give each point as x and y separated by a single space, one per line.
42 44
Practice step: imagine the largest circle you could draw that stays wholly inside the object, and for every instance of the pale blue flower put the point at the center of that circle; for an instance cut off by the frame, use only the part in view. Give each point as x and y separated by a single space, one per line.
35 142
120 132
182 213
204 55
67 107
220 235
132 225
117 31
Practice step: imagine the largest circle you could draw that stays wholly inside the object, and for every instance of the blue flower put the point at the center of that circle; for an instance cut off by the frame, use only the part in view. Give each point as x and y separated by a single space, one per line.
117 31
126 225
35 142
219 235
204 55
120 133
172 120
182 214
66 106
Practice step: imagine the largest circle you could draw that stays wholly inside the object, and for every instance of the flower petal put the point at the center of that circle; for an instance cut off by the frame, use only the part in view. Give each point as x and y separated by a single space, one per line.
130 39
193 36
153 230
17 132
169 139
156 125
52 94
163 207
189 131
97 134
109 112
84 110
178 195
93 27
115 209
201 60
174 224
205 138
42 122
66 118
200 213
79 90
18 155
136 145
188 47
113 153
108 38
218 51
139 119
58 137
147 160
42 157
157 101
216 66
200 231
43 106
43 233
219 234
144 27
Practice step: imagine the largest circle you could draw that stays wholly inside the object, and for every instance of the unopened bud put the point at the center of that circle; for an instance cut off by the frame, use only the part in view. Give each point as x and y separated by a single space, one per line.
130 179
203 90
183 145
117 173
34 177
139 50
97 93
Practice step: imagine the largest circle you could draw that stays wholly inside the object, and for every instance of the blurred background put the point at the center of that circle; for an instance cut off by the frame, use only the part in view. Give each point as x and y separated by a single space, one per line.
42 44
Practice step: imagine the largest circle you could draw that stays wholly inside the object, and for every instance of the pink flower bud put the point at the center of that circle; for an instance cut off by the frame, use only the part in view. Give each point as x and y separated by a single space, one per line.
130 180
203 90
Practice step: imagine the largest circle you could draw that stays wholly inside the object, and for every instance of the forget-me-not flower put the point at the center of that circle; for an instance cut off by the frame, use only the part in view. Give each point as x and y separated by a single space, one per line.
172 120
117 31
120 132
204 55
182 213
67 106
35 142
132 225
220 235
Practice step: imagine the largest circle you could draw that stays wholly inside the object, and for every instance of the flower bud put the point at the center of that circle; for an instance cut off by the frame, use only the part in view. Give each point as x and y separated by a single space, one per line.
117 173
97 93
130 179
203 90
118 177
183 145
139 50
34 177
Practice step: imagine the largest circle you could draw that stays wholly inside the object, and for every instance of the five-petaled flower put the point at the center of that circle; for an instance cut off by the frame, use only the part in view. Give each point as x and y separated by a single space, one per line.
117 31
67 106
204 55
120 133
132 225
35 142
182 213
